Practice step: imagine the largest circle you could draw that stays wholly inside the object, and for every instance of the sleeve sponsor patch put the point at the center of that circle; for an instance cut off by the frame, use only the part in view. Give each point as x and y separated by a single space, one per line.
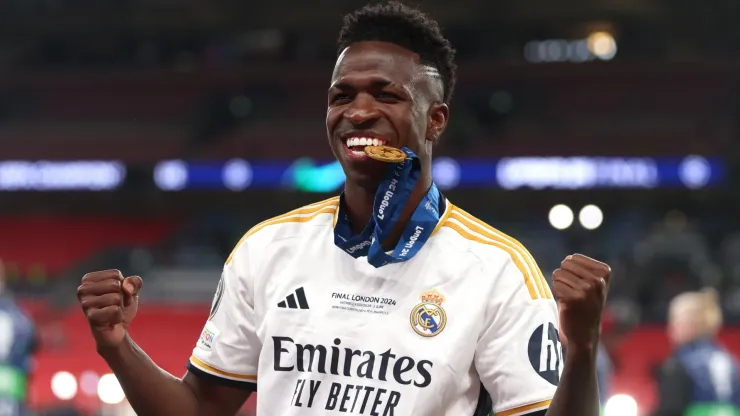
546 353
207 336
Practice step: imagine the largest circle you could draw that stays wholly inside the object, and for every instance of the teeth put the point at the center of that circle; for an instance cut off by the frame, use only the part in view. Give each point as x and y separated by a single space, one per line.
364 141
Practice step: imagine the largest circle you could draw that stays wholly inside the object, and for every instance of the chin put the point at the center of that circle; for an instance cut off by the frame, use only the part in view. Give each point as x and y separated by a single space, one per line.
365 179
362 170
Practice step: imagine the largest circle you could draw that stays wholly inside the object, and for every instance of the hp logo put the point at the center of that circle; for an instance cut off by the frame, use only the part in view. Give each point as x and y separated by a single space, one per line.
546 353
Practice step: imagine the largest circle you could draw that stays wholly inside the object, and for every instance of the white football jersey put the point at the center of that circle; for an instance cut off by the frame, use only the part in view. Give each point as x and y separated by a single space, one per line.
465 327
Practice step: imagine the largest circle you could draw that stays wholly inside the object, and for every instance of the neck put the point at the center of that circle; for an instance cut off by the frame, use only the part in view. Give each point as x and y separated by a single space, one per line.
359 206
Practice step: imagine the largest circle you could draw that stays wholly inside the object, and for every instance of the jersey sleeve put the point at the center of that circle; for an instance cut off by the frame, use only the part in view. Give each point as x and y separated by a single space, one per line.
519 356
227 351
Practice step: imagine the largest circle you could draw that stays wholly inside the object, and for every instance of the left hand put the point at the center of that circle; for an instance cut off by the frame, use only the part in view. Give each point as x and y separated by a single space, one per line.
580 286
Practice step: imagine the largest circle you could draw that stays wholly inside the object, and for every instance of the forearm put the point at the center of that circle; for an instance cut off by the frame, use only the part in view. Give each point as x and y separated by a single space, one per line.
150 390
578 390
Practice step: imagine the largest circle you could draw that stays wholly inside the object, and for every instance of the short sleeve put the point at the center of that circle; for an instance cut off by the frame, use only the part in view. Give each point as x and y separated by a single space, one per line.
519 356
228 348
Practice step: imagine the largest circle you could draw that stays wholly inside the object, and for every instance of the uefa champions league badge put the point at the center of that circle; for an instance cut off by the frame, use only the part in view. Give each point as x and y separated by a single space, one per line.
428 318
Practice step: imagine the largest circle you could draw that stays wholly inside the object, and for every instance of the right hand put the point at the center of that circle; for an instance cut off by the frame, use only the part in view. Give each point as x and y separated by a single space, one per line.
110 302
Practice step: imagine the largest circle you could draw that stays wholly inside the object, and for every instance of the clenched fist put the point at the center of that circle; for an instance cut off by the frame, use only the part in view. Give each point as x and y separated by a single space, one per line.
580 286
110 302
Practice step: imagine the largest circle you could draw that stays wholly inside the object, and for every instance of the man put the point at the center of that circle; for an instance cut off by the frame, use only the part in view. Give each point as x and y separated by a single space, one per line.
17 343
700 378
388 300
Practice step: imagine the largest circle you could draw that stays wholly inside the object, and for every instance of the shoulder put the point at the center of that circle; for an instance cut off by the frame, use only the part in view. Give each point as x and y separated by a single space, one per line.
499 252
474 234
302 221
672 366
673 377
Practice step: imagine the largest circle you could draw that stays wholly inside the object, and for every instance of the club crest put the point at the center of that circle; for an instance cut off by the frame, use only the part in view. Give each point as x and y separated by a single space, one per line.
428 318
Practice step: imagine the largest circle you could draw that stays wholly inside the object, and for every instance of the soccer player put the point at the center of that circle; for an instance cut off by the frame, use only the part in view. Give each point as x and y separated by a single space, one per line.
386 300
700 378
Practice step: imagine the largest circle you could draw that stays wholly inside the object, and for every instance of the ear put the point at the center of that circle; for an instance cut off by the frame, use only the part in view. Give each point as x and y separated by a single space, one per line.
439 114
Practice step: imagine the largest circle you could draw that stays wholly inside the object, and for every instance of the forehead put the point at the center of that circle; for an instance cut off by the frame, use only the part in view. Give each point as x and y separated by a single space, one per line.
682 306
364 60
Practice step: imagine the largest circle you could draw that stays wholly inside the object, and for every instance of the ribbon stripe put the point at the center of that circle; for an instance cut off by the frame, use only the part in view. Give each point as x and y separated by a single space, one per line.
391 198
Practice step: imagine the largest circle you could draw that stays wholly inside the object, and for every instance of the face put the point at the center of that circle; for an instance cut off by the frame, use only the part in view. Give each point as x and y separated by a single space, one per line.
380 94
681 324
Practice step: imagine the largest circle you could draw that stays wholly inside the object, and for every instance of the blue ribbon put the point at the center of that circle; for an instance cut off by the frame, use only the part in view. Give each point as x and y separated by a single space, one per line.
390 200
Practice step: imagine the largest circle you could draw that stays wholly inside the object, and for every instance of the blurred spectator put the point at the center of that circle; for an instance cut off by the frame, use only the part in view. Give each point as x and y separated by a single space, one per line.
730 259
617 320
700 377
673 258
18 340
604 372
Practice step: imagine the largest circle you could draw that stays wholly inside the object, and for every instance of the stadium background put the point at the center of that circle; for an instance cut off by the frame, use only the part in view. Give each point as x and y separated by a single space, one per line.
149 135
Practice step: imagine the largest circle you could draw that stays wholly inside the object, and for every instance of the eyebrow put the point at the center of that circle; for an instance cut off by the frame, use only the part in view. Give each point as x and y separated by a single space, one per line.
374 84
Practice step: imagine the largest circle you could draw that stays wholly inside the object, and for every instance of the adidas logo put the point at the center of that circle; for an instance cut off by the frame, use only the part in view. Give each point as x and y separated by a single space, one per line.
295 300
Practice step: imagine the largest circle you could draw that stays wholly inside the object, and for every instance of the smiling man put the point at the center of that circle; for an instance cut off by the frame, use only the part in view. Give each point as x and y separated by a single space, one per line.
386 300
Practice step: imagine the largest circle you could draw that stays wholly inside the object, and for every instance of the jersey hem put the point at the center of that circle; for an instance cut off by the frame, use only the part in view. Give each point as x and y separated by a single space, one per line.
524 409
241 384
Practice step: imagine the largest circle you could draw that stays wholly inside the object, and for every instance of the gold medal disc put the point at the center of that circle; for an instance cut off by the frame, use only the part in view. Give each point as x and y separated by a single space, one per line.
385 154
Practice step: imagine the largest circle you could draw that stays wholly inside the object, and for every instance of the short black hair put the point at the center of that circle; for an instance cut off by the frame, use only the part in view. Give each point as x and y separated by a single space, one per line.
396 23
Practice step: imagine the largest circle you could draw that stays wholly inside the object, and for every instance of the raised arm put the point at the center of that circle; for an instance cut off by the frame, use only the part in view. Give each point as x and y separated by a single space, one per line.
520 356
110 303
153 391
580 286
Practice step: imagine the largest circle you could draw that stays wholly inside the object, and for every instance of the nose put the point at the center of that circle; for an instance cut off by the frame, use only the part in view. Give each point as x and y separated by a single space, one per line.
362 110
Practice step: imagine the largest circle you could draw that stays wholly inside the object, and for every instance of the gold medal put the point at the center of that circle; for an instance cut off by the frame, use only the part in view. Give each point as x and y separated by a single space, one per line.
385 154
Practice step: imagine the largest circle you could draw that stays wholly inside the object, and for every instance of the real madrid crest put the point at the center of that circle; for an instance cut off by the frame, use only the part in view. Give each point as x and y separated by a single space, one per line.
429 318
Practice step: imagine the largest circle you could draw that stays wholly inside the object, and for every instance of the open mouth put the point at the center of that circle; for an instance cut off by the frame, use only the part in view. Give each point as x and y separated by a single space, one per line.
356 145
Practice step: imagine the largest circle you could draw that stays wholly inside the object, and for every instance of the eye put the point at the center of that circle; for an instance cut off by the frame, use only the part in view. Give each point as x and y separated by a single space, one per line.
386 96
340 98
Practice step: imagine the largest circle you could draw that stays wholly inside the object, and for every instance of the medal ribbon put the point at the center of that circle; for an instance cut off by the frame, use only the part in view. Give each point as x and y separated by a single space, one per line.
391 198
